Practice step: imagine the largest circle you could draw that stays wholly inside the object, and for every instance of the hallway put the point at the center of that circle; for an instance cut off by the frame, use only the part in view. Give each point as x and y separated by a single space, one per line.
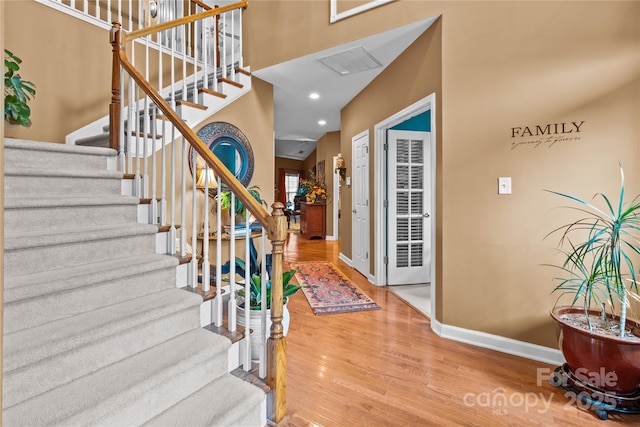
387 368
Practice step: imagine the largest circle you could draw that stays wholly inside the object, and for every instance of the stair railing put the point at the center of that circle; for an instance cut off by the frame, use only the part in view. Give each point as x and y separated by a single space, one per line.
143 122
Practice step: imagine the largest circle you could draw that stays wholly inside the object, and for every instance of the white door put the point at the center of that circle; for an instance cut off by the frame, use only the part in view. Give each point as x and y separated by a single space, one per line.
409 195
360 203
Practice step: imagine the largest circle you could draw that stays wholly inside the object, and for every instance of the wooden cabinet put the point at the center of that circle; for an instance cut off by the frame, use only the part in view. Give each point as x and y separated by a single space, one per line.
312 220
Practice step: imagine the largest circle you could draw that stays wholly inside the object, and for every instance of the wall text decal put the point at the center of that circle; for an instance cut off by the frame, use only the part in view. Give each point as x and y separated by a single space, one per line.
545 135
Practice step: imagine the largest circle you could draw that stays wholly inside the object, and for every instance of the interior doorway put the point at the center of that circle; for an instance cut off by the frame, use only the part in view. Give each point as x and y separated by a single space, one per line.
426 106
360 203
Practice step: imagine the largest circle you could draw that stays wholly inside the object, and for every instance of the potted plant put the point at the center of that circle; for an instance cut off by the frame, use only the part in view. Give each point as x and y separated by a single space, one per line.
17 93
255 306
225 201
600 343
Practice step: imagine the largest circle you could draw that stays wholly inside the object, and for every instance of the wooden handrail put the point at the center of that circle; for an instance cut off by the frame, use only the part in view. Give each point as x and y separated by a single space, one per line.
218 167
184 20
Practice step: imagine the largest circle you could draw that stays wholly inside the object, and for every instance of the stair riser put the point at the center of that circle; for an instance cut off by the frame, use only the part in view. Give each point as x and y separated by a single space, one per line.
30 219
142 407
57 369
45 159
38 259
48 186
37 311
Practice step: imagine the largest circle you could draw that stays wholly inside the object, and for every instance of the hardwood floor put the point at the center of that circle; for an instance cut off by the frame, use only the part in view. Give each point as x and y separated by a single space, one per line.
387 368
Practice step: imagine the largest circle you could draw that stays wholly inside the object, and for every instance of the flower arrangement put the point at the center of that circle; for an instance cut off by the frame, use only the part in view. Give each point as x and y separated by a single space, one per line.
314 189
317 195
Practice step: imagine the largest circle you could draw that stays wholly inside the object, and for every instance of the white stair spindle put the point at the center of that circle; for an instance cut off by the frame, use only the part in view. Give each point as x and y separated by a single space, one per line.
121 135
206 265
108 10
183 202
218 301
223 53
232 266
193 265
262 366
172 182
246 364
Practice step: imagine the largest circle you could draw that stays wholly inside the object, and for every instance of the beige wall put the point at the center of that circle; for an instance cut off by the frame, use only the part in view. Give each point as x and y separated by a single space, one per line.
309 163
327 147
68 61
493 66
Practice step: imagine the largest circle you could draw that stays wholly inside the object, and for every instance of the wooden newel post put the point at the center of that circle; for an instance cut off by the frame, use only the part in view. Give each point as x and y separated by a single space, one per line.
115 38
276 346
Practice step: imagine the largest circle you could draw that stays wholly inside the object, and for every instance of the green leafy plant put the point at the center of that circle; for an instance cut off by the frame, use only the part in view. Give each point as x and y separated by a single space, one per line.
225 199
17 92
599 262
255 297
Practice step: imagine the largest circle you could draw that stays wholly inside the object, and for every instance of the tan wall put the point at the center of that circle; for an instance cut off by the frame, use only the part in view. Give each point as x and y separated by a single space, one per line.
68 61
309 163
327 147
493 66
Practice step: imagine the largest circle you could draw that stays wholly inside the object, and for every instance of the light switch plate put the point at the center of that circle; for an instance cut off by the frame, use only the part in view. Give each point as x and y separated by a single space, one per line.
348 180
504 185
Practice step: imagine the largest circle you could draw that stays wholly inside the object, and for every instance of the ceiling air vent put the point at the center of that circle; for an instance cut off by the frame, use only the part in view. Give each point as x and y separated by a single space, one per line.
351 61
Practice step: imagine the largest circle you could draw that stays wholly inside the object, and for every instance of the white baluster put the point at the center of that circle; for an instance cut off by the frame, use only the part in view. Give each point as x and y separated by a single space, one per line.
247 290
206 265
121 135
193 265
232 264
262 366
183 202
218 319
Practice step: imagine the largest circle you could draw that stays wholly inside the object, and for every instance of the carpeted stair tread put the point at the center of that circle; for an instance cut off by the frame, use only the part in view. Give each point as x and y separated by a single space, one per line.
46 299
32 345
23 144
34 285
33 154
209 407
17 202
50 237
131 391
62 173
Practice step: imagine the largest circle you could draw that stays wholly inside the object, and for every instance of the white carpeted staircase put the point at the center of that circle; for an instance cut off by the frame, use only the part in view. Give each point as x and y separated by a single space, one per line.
95 330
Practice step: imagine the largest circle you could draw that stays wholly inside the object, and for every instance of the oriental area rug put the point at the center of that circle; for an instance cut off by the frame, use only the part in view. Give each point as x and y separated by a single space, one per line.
328 290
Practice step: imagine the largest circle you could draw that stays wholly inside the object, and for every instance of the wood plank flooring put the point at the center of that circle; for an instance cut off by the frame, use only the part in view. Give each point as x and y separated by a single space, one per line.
387 368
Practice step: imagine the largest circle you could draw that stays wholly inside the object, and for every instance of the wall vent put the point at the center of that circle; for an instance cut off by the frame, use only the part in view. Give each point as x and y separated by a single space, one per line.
351 61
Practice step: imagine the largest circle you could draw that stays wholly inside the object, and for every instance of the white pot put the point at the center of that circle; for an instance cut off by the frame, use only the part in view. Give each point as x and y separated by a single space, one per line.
256 338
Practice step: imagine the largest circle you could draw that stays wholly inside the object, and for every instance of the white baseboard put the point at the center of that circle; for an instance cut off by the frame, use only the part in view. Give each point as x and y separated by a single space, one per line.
333 238
345 259
498 343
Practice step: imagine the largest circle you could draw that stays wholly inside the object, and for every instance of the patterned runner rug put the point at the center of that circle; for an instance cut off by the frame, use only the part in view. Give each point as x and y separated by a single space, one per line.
328 290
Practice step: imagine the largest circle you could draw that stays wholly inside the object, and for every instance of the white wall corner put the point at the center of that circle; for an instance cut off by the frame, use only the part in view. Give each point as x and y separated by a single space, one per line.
498 343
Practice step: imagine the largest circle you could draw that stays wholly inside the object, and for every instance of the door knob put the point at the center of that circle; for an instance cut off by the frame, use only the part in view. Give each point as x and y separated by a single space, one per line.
426 215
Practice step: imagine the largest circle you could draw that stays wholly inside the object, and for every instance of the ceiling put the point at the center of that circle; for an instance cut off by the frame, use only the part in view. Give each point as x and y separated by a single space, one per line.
297 116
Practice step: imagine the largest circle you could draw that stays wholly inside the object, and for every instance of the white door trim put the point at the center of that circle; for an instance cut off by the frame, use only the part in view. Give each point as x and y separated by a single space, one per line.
380 183
336 197
365 268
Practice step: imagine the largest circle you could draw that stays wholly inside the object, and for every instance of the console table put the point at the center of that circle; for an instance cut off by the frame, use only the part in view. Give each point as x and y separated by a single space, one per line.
312 220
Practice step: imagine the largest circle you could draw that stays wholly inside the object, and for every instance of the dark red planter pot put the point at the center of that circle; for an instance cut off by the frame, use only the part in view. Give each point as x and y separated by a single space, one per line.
596 357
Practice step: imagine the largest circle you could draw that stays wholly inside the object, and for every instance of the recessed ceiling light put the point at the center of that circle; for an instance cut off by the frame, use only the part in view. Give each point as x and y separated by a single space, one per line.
322 122
314 95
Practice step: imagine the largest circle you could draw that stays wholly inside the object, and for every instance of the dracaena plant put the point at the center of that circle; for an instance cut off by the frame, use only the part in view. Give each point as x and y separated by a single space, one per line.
255 298
17 92
599 250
